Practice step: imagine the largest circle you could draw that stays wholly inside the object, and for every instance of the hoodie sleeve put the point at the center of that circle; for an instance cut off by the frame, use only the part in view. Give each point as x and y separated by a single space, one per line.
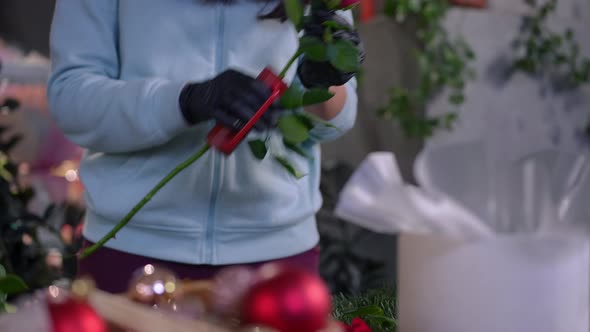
344 121
89 103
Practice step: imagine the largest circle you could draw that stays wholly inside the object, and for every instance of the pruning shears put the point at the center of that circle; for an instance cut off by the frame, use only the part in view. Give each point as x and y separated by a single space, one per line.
225 139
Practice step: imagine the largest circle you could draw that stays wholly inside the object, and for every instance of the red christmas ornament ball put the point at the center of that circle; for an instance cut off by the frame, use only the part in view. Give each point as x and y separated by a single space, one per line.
288 300
73 315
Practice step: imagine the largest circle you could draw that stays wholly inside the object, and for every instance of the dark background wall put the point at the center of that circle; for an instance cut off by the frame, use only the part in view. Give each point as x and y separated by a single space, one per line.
26 23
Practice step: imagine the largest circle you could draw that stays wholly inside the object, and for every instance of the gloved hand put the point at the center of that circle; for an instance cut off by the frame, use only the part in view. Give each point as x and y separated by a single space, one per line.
314 74
231 98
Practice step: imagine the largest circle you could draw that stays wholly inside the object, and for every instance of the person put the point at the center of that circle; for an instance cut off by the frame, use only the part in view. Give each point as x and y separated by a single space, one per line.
139 84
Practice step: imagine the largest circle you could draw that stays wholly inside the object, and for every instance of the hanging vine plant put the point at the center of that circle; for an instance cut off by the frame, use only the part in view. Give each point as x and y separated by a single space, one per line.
552 56
443 64
541 51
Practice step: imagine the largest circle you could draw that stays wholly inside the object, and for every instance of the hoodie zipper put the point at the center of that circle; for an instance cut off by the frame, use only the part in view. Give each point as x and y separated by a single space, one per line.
217 161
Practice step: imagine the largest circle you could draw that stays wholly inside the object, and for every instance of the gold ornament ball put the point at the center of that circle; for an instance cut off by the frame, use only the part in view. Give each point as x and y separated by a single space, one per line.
155 286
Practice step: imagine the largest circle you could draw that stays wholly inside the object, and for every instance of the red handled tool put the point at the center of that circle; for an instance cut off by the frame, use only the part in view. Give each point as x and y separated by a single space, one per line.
225 139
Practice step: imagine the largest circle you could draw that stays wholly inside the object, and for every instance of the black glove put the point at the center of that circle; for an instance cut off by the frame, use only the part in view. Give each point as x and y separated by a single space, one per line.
231 98
323 74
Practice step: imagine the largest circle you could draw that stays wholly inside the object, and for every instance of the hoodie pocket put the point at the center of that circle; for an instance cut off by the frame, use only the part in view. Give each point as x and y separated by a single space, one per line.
115 184
111 183
258 194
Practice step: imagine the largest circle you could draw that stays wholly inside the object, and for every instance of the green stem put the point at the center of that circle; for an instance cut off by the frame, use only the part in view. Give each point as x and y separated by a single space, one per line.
289 64
328 35
88 251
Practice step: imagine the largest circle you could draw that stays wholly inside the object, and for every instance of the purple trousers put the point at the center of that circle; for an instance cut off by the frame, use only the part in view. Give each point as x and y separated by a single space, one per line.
112 270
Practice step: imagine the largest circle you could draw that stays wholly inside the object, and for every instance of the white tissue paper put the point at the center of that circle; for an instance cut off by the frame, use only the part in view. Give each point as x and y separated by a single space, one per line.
482 245
376 198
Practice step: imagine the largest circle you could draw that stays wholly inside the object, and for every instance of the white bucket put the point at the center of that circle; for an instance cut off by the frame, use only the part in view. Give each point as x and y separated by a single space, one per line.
520 283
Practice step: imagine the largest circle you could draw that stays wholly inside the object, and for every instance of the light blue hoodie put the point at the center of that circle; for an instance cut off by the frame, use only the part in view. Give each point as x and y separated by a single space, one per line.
117 71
